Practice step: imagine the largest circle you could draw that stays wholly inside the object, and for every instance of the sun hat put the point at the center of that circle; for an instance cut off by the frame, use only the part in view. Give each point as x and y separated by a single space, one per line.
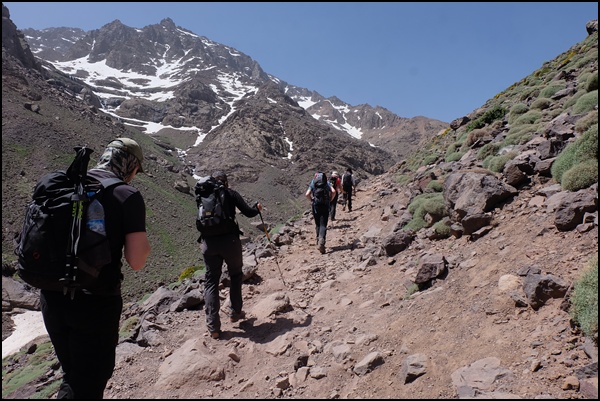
131 147
335 174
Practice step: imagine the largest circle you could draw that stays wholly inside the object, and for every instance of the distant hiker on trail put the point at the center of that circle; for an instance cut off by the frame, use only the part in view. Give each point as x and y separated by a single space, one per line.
224 246
349 188
320 193
336 183
84 328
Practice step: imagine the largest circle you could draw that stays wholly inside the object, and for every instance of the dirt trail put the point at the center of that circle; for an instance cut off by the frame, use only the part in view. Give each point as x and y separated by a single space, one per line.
354 301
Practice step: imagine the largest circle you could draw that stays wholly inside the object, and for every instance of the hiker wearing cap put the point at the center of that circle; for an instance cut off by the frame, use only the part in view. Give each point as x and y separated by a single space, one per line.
84 329
336 183
225 248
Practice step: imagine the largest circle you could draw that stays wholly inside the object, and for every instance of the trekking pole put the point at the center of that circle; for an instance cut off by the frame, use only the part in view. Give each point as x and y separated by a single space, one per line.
78 173
269 238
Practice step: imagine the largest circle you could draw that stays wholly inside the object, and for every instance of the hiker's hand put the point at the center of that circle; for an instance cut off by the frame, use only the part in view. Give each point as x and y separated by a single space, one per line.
259 206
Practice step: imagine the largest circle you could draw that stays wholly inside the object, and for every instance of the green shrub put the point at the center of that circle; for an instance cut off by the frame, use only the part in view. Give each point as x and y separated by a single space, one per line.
403 179
519 138
583 149
592 82
587 102
436 185
541 103
442 229
127 327
432 203
429 159
573 99
517 110
452 157
580 176
497 163
489 149
531 117
488 117
584 299
550 90
584 123
188 272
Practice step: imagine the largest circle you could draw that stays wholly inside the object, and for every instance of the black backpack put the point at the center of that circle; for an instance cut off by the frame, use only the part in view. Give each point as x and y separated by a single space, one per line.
321 192
63 243
214 211
347 182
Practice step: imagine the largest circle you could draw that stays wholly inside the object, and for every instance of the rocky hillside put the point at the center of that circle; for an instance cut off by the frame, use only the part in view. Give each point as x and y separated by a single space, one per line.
451 278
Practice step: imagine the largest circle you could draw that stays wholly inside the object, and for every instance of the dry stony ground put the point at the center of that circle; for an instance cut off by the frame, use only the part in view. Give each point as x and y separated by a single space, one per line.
344 308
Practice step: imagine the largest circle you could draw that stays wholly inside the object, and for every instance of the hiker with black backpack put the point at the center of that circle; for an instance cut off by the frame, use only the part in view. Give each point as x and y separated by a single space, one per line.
220 242
320 193
83 320
348 188
336 183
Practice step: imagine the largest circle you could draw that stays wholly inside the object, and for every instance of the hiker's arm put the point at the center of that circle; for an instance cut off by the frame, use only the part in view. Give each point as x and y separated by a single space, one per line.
308 194
240 203
137 249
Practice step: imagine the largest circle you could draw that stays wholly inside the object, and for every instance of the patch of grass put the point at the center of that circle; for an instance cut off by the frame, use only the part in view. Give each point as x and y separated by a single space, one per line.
38 364
580 176
586 103
583 149
427 203
584 299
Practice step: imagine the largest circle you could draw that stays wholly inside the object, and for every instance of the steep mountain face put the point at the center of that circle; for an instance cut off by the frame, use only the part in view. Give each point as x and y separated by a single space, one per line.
206 78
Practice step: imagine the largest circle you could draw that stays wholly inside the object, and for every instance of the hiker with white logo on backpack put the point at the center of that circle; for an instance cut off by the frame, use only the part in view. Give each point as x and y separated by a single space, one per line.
83 324
220 242
320 193
348 188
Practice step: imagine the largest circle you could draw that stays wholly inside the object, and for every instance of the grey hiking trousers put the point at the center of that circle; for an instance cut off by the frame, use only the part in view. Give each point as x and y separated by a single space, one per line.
216 250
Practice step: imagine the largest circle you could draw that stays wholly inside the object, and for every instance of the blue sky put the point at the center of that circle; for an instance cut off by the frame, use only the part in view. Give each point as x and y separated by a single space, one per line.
438 60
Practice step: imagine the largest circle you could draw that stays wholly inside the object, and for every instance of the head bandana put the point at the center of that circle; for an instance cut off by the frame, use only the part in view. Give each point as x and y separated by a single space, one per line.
119 162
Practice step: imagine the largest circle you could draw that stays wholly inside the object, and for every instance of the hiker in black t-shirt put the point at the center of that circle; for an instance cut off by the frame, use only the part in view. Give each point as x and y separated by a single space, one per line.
348 188
84 330
225 248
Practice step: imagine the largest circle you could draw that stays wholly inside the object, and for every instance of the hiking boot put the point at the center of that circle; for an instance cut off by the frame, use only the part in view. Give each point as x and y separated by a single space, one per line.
322 245
216 334
235 316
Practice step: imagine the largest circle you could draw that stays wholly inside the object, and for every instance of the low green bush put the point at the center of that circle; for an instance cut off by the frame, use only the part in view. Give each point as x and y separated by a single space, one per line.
592 82
580 176
587 102
432 203
583 149
584 299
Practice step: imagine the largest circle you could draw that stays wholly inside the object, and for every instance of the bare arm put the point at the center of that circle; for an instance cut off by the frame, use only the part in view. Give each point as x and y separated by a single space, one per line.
137 249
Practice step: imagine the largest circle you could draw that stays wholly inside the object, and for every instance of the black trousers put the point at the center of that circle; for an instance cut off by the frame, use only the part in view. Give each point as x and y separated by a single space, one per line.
348 199
333 206
216 250
84 332
321 216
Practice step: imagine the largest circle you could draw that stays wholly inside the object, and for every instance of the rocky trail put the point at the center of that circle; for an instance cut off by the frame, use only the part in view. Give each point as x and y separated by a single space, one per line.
349 323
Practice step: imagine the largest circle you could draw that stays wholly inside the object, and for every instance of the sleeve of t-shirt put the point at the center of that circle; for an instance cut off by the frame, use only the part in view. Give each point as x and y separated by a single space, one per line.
134 212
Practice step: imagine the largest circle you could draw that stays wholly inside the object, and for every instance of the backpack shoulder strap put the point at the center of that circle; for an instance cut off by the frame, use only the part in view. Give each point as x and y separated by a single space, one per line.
110 182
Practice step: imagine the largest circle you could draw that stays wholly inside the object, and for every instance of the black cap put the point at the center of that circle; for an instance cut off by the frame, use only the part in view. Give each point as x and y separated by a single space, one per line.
220 175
